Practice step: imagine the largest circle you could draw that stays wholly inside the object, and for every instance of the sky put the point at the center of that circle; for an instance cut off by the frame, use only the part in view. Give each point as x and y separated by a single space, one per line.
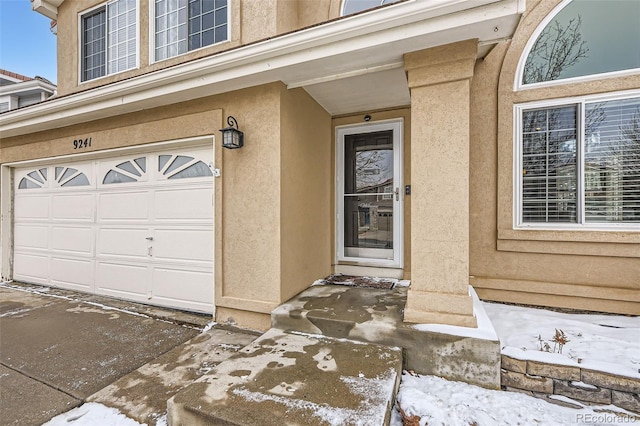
27 45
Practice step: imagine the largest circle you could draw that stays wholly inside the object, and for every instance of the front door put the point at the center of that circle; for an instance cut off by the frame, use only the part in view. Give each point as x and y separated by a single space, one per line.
369 225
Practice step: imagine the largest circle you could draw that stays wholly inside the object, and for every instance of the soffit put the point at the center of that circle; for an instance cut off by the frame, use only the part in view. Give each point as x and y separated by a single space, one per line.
355 57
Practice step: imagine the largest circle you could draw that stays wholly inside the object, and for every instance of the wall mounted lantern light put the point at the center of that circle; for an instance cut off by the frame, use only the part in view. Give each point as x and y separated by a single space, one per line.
232 137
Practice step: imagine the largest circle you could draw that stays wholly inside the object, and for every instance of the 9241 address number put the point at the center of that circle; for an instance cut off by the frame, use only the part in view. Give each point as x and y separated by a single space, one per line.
81 143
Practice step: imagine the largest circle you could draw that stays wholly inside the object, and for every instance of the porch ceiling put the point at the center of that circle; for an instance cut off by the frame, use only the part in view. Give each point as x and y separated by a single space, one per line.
349 65
376 90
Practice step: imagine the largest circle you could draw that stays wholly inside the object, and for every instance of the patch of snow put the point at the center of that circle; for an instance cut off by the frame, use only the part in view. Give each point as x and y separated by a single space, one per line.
91 414
403 283
209 326
370 411
484 330
323 338
325 360
566 399
319 282
437 401
16 312
162 420
584 385
607 343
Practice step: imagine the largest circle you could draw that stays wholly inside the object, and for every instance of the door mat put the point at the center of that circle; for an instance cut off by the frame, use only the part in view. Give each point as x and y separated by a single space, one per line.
357 281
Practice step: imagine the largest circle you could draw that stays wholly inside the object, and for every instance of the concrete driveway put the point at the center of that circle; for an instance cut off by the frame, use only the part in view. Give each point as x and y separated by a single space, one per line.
59 349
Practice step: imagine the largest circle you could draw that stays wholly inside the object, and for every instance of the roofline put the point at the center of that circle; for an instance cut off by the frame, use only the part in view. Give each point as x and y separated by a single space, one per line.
27 85
14 76
48 8
254 64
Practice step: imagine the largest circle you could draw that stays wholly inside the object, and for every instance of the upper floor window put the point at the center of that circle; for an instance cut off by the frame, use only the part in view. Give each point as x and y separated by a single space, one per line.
584 38
355 6
579 163
109 39
184 25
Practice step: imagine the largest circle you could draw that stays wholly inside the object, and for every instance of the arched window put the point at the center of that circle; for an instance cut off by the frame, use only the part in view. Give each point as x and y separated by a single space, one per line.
182 166
128 171
354 6
63 176
35 179
584 38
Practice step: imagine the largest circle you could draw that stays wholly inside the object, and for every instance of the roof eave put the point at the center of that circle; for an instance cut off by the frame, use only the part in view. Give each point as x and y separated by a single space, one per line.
258 63
48 8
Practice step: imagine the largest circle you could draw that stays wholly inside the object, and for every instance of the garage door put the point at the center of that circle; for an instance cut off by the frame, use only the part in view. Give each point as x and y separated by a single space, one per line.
137 227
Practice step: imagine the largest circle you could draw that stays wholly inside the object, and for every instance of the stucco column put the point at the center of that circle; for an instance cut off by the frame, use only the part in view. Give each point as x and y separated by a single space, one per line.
439 80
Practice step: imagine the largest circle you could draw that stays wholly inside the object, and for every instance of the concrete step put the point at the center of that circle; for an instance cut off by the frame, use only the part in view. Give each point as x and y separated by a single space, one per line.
376 316
142 394
294 379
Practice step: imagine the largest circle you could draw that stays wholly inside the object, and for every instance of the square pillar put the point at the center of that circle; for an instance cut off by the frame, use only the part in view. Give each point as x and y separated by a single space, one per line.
439 79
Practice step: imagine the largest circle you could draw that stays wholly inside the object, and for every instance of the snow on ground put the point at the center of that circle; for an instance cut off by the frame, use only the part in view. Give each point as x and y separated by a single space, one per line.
93 414
609 343
439 402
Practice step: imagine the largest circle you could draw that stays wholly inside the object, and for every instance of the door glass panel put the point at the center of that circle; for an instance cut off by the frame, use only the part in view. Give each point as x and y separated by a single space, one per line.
369 195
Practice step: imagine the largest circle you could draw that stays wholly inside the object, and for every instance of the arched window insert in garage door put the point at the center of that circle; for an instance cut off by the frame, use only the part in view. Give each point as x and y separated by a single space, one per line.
170 166
34 179
128 171
182 166
64 177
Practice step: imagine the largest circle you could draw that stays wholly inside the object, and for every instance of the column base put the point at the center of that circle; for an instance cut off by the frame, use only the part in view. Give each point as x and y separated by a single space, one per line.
424 307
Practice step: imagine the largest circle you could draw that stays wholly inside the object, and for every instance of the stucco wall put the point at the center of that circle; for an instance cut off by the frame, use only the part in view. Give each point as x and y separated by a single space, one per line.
584 269
250 21
272 201
306 178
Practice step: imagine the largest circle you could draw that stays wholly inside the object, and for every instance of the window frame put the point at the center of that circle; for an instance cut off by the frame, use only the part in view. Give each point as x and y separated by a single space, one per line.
85 13
152 34
581 225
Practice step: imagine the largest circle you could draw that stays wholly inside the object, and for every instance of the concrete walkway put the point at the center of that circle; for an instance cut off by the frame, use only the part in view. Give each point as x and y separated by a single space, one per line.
59 349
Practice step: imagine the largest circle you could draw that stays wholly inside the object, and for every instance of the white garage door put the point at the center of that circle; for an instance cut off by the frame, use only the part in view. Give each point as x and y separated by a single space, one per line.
138 227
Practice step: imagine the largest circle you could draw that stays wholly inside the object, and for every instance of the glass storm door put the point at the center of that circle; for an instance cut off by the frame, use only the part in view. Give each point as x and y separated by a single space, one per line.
369 196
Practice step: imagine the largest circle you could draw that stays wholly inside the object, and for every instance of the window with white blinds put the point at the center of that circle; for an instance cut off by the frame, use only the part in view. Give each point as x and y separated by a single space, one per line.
109 39
580 163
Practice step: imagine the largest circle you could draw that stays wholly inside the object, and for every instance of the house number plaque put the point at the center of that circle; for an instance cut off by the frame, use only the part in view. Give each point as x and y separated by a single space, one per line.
81 143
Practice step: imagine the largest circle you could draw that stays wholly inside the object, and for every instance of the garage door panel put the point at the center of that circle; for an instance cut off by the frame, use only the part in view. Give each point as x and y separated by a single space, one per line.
184 204
31 237
125 279
77 207
183 245
31 267
31 207
123 206
125 242
72 239
76 274
132 227
183 288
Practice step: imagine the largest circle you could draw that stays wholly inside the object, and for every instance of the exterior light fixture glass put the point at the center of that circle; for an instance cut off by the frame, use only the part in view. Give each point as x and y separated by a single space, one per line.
232 137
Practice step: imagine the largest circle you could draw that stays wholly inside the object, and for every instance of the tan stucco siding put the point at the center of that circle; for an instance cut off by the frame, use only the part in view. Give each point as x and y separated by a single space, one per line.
249 21
69 43
584 269
305 191
248 263
250 203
